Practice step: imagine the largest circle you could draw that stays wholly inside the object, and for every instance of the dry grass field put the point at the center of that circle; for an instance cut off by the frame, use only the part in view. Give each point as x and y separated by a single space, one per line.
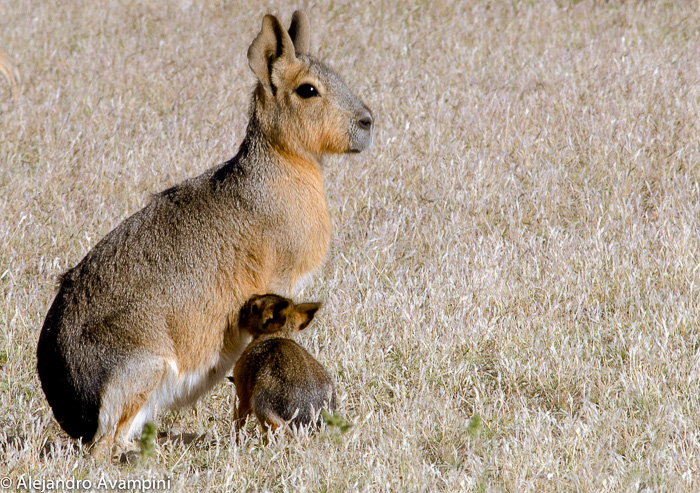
512 292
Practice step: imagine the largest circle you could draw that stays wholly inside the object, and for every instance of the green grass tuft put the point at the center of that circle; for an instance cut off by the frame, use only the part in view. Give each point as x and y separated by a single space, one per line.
147 442
335 420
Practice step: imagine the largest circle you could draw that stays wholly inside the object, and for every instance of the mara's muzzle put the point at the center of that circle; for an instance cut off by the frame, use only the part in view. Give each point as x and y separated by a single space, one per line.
362 130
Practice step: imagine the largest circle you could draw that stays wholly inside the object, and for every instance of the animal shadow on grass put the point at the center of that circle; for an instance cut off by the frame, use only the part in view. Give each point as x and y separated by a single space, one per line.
61 444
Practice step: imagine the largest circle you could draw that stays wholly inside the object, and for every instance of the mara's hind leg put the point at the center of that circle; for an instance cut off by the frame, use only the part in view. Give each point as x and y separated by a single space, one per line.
130 399
270 422
268 418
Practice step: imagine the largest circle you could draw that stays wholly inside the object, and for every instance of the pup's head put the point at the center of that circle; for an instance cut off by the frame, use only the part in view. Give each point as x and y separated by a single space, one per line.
272 314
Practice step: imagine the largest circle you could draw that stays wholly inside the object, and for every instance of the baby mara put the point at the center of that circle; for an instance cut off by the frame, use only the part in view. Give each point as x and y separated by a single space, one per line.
275 378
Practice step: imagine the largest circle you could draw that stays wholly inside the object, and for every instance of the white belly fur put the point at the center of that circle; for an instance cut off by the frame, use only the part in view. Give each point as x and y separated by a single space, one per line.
180 390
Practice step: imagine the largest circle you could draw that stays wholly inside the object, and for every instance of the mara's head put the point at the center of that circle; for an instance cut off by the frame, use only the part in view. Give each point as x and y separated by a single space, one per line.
272 314
302 106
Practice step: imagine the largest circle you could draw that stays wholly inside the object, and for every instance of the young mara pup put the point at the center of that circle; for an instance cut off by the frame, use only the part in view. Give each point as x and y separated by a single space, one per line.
149 318
275 378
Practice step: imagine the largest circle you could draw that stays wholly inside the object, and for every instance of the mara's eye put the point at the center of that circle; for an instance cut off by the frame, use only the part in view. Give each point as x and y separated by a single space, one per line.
307 91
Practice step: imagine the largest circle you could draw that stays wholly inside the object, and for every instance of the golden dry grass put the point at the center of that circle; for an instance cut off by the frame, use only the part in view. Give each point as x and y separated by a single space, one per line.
521 244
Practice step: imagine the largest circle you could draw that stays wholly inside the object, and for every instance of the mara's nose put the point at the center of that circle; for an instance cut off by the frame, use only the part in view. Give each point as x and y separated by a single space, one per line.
365 120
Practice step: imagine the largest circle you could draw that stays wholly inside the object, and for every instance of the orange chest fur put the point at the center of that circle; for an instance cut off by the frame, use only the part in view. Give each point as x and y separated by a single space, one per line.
288 241
304 243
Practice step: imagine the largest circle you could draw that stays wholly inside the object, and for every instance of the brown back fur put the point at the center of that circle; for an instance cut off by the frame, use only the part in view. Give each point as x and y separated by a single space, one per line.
149 318
275 378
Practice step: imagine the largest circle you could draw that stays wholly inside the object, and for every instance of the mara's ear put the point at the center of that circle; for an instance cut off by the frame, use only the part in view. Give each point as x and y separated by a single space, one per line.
271 50
275 316
299 32
306 313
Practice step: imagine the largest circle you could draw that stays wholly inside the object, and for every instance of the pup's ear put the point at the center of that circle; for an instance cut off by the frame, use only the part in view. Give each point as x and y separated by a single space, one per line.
299 32
306 312
271 52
